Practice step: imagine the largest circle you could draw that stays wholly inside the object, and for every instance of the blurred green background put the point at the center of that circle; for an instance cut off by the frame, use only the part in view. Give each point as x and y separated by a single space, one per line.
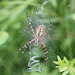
59 41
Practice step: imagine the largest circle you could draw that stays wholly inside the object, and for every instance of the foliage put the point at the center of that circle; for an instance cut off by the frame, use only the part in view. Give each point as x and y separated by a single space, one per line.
61 39
65 66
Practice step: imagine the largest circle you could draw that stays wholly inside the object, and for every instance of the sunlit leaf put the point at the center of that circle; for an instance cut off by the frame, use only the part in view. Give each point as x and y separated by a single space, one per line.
65 72
54 3
59 59
57 67
63 68
56 62
67 62
3 37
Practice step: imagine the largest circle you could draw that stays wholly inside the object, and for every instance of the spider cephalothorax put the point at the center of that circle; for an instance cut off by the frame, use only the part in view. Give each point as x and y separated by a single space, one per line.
38 35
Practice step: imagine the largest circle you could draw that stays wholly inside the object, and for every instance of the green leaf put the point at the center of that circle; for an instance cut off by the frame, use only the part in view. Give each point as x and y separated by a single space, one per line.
72 72
56 62
3 37
67 62
57 67
63 69
54 3
65 72
72 62
59 59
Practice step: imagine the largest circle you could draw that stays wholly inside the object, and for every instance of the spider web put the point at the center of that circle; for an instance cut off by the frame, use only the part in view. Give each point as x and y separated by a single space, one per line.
34 63
36 20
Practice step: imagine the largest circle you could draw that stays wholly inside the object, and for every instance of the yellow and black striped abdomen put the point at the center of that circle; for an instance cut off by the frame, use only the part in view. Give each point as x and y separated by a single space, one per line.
40 30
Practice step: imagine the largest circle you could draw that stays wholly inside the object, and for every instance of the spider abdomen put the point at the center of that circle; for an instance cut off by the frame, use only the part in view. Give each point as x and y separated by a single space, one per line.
40 30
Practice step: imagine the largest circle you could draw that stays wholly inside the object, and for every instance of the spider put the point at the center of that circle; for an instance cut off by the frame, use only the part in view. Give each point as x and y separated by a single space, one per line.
38 36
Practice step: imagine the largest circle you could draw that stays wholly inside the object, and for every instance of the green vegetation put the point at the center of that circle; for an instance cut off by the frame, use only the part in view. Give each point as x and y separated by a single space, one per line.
65 66
61 39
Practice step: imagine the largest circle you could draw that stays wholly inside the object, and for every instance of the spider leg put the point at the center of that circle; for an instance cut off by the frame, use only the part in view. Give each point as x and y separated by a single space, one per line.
30 24
46 52
27 32
46 32
25 46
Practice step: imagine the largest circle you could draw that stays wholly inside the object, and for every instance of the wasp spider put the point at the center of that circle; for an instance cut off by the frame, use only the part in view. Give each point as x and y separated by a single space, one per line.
38 36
